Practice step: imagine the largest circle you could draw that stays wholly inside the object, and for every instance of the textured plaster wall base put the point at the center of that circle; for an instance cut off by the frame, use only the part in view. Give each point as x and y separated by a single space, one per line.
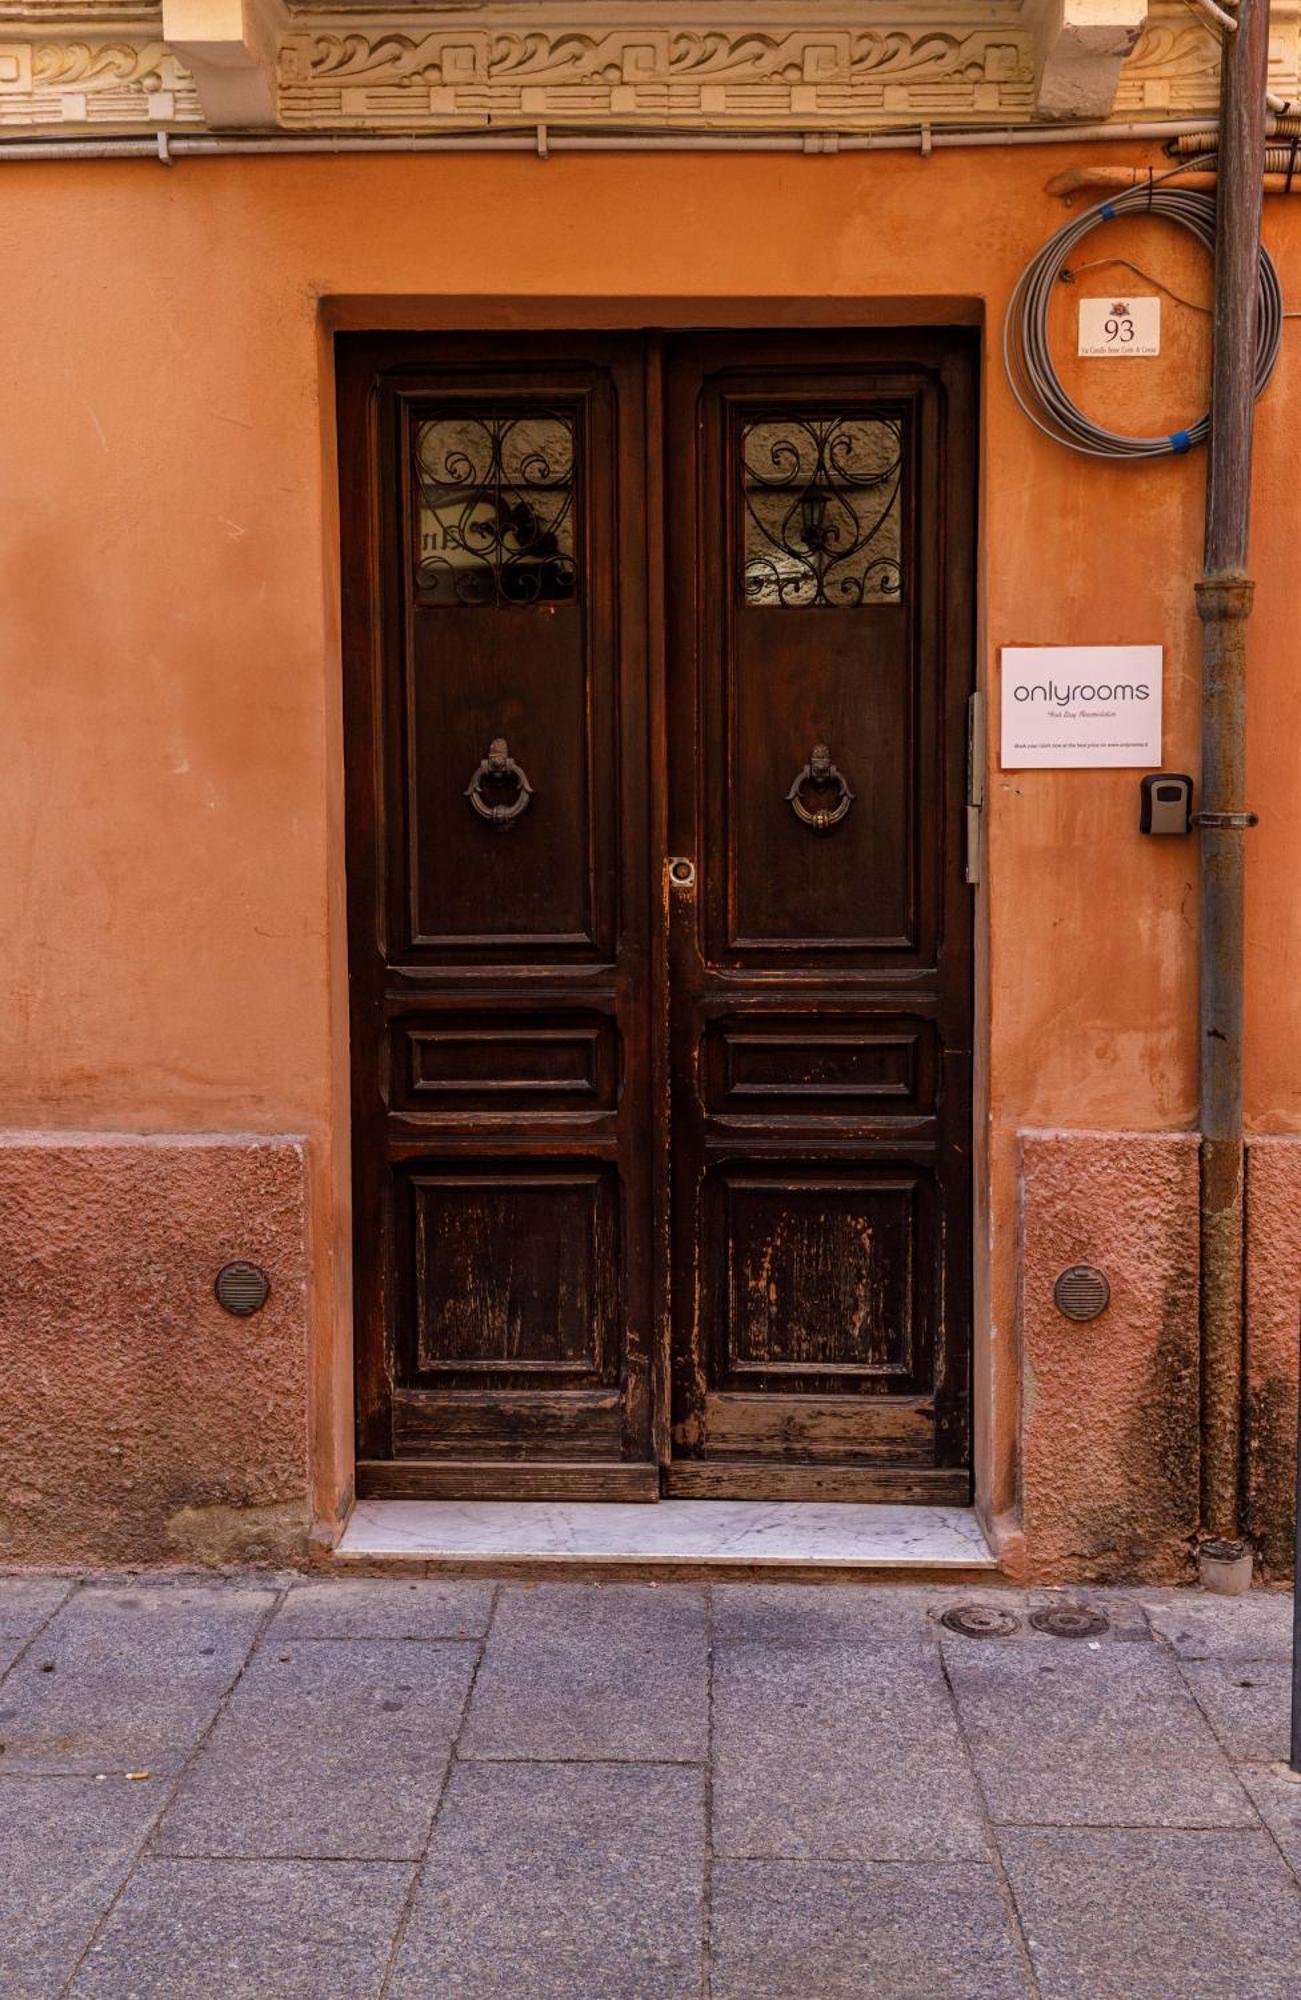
140 1423
1110 1407
1273 1329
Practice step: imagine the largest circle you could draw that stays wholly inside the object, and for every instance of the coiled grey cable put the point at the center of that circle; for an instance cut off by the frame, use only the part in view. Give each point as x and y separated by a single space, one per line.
1030 371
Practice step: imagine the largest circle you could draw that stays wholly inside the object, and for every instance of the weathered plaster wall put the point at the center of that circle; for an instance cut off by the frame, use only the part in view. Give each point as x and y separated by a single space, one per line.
1110 1406
171 900
1273 1338
139 1421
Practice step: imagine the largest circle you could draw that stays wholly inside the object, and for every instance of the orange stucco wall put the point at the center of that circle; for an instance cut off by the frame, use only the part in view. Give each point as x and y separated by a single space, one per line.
171 806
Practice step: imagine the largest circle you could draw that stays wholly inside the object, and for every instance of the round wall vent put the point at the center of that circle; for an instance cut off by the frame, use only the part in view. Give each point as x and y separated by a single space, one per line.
1081 1292
242 1289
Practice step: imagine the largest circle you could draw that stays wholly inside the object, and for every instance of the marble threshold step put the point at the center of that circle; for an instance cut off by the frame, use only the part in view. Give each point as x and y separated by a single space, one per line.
707 1538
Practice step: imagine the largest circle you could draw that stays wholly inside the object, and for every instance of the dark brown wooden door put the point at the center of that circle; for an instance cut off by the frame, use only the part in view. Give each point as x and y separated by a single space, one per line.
820 965
535 982
499 903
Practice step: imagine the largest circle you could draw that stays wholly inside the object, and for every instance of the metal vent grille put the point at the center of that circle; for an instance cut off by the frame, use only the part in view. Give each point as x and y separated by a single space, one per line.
1081 1292
242 1289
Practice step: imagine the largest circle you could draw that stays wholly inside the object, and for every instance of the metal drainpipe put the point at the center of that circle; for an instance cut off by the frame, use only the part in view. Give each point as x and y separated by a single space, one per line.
1224 604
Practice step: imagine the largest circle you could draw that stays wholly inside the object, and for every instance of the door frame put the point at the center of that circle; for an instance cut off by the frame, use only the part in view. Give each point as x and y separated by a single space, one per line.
880 320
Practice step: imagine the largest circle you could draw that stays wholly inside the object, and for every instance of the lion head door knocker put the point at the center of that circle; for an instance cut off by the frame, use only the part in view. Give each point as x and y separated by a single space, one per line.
821 777
497 767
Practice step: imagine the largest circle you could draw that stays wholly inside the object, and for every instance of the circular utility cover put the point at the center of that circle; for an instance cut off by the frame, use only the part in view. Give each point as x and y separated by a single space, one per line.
980 1621
1081 1292
1068 1621
242 1289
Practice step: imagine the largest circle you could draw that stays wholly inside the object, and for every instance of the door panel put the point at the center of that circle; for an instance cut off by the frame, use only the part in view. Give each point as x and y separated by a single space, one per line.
820 981
499 909
510 634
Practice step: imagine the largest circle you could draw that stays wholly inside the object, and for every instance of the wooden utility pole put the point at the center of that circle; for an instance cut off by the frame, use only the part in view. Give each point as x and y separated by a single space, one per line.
1224 603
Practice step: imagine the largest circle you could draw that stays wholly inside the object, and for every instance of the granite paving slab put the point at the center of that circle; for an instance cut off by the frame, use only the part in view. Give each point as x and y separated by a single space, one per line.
9 1651
802 1615
593 1670
560 1882
1127 1621
248 1930
27 1601
346 1607
66 1845
1276 1794
1156 1915
127 1678
1247 1703
1201 1626
792 1930
329 1748
1064 1734
840 1752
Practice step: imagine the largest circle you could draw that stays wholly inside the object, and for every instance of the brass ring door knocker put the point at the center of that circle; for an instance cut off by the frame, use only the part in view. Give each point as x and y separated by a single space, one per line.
820 773
496 765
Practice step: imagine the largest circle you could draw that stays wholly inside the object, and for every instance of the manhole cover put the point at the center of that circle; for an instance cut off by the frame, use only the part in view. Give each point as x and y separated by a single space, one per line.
1068 1621
980 1621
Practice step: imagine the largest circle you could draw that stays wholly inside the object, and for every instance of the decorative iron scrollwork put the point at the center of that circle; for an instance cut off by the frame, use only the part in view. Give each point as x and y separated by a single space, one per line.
821 774
822 510
496 508
498 768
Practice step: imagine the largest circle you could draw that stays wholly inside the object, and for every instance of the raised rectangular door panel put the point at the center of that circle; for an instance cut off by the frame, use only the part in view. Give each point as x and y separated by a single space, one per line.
819 1280
460 1063
820 967
775 1066
494 597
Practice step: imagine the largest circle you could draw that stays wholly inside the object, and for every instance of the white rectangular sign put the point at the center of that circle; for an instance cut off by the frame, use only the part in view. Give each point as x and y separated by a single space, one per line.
1073 707
1120 326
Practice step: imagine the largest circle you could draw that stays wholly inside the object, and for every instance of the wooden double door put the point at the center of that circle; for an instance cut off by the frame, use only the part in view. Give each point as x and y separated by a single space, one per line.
658 656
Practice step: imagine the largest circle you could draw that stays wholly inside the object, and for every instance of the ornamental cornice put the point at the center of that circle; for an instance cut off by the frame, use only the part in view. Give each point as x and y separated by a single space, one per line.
73 84
722 72
356 66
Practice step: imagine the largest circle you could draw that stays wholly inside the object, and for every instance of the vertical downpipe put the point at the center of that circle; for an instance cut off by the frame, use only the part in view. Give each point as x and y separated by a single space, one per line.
1224 605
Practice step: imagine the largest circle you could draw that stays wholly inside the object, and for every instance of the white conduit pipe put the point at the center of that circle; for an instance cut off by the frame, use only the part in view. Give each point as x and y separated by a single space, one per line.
1211 13
169 146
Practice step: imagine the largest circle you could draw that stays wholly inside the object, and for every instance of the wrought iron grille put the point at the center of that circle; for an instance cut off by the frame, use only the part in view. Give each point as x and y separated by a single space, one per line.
496 508
821 510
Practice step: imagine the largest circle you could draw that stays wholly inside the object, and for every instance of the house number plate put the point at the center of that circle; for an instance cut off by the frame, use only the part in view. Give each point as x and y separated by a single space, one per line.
1120 326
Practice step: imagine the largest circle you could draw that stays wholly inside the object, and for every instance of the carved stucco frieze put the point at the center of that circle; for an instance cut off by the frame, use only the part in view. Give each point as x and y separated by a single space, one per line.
1174 70
357 66
724 74
110 85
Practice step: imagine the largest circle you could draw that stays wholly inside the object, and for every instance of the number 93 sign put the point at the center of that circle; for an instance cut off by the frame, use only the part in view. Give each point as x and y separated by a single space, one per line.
1120 326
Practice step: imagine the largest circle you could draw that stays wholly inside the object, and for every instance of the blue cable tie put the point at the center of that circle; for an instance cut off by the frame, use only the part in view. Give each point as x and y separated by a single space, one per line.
1107 212
1180 441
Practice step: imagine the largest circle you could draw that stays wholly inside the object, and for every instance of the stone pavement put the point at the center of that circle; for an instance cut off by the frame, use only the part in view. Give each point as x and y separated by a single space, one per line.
303 1789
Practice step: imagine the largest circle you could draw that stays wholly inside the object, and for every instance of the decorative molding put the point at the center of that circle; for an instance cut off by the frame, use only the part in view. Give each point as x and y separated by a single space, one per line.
1083 44
705 65
1174 70
1175 66
118 85
81 16
231 47
716 75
